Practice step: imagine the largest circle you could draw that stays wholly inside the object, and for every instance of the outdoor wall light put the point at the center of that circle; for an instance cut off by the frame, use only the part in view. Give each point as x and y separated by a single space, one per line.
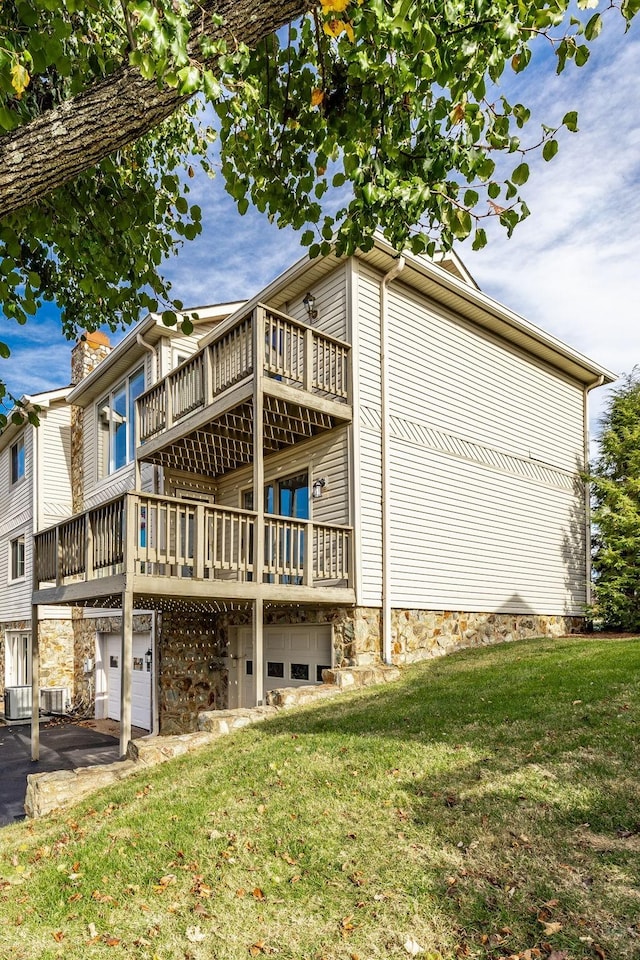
148 659
317 488
310 306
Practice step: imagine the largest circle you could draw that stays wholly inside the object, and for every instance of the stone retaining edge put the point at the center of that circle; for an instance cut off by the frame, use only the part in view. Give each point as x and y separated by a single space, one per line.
60 789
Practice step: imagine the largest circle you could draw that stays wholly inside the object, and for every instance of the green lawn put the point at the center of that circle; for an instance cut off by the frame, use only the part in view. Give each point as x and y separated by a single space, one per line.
487 805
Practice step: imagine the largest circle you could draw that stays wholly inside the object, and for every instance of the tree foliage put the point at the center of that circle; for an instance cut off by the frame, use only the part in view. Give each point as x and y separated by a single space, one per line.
359 114
615 487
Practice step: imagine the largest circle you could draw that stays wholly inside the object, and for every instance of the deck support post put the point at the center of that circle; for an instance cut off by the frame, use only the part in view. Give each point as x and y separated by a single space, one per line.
258 497
35 684
126 659
126 646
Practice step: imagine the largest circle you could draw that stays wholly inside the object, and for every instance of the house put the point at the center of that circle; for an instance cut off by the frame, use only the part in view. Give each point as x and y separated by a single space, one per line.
370 460
35 492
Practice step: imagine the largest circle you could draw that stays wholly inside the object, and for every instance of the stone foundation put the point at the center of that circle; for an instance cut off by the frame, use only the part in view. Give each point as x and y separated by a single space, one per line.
423 634
56 651
191 668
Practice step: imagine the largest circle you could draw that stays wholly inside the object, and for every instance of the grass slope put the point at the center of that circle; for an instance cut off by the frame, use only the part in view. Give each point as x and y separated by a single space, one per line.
484 806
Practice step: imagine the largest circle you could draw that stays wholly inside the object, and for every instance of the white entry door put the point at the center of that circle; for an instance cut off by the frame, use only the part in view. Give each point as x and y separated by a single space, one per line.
140 680
294 656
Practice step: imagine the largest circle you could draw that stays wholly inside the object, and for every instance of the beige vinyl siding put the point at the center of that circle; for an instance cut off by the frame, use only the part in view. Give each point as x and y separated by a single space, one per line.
326 456
370 546
331 304
469 537
16 498
170 346
484 442
15 597
473 384
55 466
97 489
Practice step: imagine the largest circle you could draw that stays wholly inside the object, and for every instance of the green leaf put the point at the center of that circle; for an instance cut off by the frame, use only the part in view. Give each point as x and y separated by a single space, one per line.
521 174
5 352
570 121
169 318
550 149
593 27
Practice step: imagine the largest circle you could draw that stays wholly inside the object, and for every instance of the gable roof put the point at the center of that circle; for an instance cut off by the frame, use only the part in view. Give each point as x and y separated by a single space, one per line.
450 285
43 400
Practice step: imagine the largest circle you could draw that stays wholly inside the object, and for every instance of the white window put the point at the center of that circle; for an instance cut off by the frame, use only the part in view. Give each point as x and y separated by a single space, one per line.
17 461
16 558
17 659
116 424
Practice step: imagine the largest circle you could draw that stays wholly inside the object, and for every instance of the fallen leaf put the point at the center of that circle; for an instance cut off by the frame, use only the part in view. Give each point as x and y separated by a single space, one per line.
111 941
412 947
195 935
258 894
58 936
551 928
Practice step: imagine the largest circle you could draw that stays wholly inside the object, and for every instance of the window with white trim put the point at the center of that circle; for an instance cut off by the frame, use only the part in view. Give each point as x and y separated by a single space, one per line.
17 461
116 424
16 559
17 668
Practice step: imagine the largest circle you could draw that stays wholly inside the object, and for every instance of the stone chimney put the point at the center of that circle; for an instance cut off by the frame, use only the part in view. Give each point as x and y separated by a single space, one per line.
90 349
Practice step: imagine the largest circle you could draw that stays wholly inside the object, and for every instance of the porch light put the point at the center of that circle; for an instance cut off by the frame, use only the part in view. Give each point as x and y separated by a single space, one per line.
310 306
148 659
317 488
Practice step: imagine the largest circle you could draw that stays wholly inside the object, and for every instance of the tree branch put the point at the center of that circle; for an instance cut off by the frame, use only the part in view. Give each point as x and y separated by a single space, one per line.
54 148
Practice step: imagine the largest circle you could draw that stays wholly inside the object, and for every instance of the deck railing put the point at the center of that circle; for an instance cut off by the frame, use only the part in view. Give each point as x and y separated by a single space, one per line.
174 538
294 353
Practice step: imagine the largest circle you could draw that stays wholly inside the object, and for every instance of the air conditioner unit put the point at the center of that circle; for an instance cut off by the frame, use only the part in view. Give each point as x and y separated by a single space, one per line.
17 703
54 699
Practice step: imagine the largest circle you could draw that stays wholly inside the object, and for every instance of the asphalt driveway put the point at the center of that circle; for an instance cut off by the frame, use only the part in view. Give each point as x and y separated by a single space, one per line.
63 746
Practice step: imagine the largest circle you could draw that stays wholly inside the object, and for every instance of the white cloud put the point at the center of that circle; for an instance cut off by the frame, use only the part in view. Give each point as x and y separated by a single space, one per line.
573 266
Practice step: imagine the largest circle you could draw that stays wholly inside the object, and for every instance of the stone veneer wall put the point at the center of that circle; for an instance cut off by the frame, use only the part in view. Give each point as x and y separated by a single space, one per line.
422 634
192 672
85 356
416 634
56 651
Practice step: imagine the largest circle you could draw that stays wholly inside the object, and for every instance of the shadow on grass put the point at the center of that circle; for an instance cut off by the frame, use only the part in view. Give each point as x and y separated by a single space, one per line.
546 723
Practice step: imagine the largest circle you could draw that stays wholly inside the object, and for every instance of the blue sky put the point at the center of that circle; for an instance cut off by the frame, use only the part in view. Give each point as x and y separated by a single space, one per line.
573 267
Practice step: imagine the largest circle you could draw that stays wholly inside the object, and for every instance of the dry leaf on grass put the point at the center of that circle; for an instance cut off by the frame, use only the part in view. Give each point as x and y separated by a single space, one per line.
412 947
551 928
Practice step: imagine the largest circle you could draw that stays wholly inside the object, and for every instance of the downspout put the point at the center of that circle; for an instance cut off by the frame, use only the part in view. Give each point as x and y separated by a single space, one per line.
587 493
153 376
385 486
152 350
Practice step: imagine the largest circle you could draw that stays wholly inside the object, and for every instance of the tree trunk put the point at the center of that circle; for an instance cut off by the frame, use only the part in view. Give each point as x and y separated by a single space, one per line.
62 143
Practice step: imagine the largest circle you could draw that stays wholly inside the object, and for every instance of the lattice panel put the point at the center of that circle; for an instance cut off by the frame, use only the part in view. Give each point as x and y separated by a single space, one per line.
227 442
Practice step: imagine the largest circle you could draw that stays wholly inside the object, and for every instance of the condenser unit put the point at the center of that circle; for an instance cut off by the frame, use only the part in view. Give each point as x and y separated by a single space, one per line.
17 703
54 699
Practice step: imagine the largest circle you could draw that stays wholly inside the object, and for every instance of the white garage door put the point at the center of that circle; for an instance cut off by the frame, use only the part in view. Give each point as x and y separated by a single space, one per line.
294 656
140 681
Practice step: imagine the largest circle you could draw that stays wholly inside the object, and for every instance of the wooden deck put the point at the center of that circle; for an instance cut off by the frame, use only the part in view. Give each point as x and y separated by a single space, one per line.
303 374
170 547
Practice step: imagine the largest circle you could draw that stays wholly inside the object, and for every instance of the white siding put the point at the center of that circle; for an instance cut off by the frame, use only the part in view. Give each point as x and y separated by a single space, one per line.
97 489
16 519
326 456
331 304
485 442
170 346
55 466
